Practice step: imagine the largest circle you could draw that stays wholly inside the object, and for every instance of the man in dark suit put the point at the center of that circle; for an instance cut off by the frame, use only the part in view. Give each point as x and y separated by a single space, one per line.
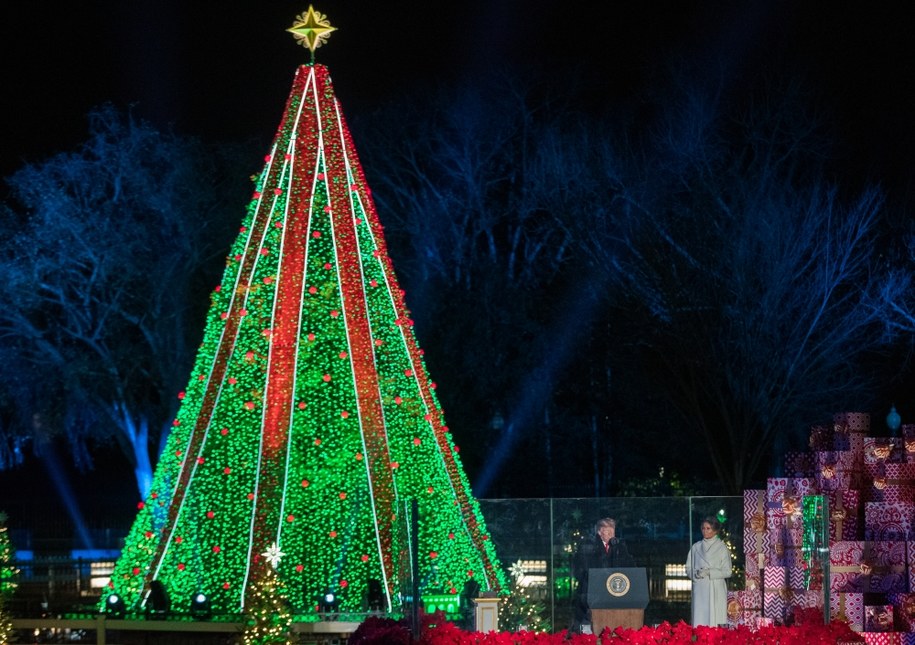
602 550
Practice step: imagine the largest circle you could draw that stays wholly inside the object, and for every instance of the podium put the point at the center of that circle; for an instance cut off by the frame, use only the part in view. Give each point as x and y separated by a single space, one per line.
617 597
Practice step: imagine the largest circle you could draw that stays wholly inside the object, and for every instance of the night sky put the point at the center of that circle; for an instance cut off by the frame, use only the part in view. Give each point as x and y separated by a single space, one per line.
223 71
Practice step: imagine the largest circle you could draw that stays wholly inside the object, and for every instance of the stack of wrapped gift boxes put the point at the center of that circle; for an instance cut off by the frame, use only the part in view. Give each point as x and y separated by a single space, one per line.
870 486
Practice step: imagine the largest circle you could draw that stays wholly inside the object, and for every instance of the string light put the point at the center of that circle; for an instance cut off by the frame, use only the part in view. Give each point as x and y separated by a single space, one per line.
309 417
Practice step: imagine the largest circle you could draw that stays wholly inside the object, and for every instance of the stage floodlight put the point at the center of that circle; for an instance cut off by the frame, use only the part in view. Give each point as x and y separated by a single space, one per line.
114 605
200 605
329 603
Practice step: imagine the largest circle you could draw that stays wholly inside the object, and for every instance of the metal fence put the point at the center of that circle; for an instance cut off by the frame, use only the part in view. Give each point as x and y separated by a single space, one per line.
534 538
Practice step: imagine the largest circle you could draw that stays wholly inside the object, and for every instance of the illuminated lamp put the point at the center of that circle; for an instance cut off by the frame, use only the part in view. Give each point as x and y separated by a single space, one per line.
114 605
329 603
157 603
200 605
893 421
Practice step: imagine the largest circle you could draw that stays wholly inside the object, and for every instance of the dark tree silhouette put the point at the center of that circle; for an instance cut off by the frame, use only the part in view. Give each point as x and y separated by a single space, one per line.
104 276
477 186
741 278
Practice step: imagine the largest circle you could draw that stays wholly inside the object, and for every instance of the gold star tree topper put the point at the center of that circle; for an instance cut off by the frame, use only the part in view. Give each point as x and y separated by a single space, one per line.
311 29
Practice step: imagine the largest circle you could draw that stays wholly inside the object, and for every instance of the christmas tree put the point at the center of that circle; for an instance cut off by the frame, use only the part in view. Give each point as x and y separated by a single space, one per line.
269 617
8 573
8 583
309 421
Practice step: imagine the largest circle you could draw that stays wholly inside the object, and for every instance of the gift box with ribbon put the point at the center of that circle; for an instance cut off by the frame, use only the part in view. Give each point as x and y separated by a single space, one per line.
903 611
837 470
910 561
908 440
885 638
884 450
744 607
847 570
776 577
852 422
889 521
848 607
786 541
838 436
784 499
822 437
845 511
779 604
890 568
878 618
799 464
755 535
892 482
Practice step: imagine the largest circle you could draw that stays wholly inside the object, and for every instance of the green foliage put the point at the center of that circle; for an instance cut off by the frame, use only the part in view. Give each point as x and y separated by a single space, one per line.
6 623
523 611
8 573
269 618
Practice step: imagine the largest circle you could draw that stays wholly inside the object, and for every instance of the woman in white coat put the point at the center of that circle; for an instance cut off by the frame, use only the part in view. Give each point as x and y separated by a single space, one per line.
709 565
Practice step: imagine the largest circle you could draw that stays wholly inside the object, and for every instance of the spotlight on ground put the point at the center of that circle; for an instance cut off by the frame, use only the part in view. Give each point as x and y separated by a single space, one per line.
329 603
114 606
200 605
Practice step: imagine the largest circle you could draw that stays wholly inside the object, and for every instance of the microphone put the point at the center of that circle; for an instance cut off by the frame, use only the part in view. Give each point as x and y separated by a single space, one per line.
614 541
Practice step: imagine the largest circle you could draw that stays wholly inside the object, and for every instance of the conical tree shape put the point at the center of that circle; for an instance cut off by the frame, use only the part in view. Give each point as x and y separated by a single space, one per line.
309 419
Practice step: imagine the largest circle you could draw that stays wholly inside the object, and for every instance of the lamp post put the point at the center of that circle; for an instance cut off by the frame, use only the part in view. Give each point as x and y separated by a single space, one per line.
893 421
